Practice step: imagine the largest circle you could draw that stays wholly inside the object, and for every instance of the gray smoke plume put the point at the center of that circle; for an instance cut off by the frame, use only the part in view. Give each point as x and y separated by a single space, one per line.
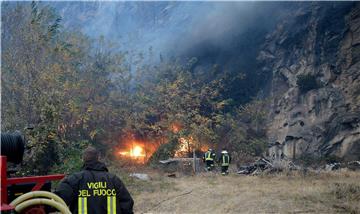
174 28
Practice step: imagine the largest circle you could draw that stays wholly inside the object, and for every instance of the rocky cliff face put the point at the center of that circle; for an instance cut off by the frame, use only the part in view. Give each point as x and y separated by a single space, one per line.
320 40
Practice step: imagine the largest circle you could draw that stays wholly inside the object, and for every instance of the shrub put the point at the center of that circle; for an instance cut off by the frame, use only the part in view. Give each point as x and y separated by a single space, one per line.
165 151
306 82
71 157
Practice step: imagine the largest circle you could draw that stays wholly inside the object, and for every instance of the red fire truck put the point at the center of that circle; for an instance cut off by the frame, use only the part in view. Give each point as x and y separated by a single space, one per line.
30 195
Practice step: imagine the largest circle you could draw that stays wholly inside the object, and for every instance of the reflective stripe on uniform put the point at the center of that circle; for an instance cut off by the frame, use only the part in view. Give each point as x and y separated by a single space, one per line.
111 204
225 160
82 205
208 156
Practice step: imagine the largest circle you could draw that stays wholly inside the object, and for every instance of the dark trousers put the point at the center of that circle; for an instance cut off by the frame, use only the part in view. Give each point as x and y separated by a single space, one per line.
209 165
224 170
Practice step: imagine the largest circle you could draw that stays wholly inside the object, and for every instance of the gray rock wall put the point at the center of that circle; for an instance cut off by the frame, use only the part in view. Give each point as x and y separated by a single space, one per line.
323 40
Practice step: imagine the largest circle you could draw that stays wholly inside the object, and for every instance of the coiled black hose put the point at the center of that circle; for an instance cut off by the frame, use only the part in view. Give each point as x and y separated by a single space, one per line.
12 146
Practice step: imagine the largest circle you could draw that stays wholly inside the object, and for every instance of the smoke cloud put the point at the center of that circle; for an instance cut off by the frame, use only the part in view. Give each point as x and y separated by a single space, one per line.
208 30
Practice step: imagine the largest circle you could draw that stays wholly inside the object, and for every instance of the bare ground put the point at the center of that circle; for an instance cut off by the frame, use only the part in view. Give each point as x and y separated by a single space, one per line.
335 192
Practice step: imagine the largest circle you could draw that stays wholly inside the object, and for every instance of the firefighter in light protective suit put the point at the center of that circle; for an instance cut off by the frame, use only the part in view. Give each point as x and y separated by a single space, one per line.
209 158
224 160
94 189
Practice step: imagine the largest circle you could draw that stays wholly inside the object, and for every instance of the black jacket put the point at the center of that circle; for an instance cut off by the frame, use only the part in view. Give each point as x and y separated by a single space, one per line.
95 190
221 158
212 155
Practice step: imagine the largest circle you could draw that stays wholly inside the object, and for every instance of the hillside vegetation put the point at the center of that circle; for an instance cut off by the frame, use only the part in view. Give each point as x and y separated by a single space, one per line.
65 90
267 85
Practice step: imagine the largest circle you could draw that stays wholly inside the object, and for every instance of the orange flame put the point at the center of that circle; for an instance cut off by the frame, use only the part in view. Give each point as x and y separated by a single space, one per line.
176 127
135 150
187 145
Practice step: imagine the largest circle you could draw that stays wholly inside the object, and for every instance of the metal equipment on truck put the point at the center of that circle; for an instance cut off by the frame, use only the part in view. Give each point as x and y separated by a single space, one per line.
28 195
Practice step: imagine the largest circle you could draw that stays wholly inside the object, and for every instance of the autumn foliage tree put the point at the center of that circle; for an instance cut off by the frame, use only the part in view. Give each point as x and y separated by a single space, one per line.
65 90
58 84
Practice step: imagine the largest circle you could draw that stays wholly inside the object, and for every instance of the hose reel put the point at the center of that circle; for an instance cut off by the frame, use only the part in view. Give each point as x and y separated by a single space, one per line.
39 198
12 146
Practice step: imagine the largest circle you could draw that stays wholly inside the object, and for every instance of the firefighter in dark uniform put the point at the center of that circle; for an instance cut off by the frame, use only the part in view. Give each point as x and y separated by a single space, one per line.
209 158
224 160
94 189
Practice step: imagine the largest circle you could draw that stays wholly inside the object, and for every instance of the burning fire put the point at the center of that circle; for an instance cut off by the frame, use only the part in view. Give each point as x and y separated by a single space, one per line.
136 150
176 127
140 150
186 146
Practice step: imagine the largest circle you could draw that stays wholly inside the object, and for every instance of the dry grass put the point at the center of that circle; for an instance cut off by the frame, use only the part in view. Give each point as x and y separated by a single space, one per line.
282 193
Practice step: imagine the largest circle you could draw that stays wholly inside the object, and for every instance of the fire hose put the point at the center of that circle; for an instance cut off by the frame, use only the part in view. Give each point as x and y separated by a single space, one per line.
27 200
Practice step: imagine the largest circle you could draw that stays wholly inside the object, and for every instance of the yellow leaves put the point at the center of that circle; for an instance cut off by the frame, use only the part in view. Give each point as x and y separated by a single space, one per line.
90 108
174 86
73 107
92 134
85 118
51 135
218 118
67 86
